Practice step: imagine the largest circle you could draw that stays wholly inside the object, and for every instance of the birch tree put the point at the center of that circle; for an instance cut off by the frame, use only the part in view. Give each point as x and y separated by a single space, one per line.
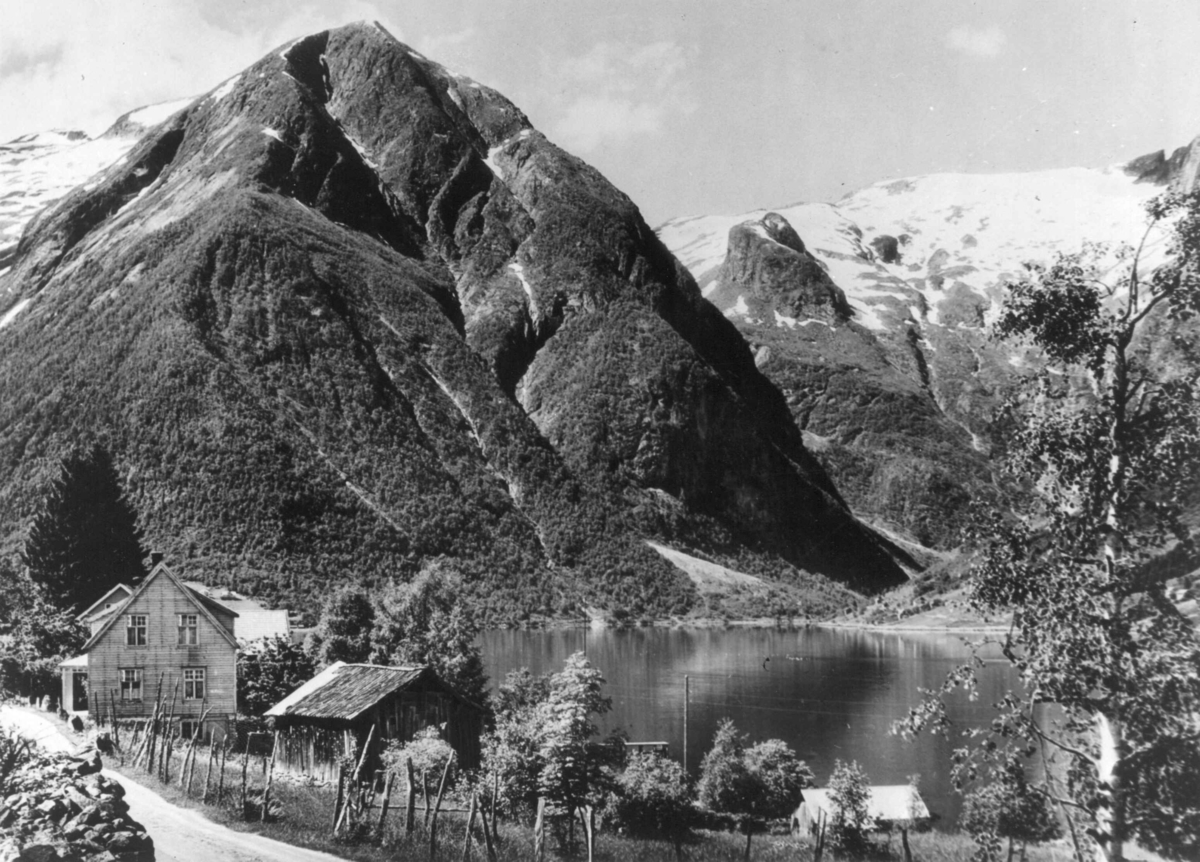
1106 441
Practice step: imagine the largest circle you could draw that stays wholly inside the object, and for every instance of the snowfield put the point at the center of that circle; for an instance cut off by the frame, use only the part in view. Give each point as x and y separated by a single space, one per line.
970 229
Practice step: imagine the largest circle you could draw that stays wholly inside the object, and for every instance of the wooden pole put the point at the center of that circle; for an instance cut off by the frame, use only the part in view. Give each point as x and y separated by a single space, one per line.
495 802
221 772
212 752
245 768
266 799
116 733
337 805
470 826
168 737
191 753
410 798
437 805
487 836
387 798
539 831
687 692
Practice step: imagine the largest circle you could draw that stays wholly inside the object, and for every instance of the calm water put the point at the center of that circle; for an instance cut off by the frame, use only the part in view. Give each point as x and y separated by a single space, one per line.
828 693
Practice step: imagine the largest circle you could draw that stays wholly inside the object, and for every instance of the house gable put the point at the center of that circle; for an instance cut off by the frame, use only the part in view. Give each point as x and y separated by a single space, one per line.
164 630
106 602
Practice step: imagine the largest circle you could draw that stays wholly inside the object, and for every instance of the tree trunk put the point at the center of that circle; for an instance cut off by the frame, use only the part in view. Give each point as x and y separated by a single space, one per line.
904 843
539 831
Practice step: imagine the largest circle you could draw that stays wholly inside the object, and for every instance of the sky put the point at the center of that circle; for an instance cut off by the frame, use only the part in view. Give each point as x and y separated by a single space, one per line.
689 106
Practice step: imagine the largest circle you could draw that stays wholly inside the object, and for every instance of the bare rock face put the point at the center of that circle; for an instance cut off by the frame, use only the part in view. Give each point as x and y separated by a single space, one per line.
349 312
768 267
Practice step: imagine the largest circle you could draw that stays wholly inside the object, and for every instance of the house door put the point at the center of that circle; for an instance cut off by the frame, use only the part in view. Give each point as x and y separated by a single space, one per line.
79 692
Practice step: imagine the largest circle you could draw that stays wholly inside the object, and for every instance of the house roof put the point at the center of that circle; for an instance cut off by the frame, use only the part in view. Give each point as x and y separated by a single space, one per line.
345 691
201 602
96 605
76 661
894 802
254 621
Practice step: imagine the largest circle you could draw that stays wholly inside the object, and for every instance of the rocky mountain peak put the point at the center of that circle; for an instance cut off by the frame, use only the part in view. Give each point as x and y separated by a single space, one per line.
768 271
349 311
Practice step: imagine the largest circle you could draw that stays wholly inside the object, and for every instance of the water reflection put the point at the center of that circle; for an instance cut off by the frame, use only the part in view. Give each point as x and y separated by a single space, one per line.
828 693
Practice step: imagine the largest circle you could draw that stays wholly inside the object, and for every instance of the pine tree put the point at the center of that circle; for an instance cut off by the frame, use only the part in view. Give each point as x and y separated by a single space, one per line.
85 538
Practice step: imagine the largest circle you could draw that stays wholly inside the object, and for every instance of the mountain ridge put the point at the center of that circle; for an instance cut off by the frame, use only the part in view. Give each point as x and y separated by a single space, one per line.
348 312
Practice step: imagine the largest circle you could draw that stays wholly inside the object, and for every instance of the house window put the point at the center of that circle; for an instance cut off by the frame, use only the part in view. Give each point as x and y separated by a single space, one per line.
188 630
188 727
135 630
131 683
193 683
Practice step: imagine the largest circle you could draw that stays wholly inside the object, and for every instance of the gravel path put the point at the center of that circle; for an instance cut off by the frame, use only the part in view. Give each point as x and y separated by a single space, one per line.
180 834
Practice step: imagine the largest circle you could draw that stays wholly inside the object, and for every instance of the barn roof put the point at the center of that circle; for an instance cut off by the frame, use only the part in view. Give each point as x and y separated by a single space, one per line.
894 802
345 691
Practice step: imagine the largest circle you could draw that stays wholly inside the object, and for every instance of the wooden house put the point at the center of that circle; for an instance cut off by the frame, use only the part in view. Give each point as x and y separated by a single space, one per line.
93 616
161 631
332 715
890 806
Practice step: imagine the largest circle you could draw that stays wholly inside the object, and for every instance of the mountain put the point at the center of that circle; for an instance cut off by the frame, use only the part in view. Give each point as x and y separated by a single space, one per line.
871 315
350 312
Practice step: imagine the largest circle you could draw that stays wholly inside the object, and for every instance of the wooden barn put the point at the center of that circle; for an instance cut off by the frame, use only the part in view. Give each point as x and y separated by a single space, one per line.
331 716
890 806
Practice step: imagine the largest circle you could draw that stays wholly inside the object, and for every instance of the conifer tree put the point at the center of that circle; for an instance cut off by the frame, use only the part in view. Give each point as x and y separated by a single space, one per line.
85 537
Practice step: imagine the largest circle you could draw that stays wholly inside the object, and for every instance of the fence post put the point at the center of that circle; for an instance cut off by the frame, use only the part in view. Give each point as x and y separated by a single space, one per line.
337 805
212 751
266 798
221 772
487 836
245 768
436 807
410 801
387 798
589 826
470 826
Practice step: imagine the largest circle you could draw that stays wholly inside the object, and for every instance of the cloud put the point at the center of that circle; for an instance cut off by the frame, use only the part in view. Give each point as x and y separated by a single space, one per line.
976 41
621 92
81 63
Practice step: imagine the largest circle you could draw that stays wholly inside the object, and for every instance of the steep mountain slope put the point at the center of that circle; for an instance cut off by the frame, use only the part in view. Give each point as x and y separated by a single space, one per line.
350 311
36 170
876 328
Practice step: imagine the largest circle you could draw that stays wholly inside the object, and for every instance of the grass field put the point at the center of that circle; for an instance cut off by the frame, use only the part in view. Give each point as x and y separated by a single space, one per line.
306 813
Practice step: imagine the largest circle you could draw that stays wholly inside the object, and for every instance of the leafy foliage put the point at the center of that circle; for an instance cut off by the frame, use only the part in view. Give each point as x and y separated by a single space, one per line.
428 622
268 670
762 780
652 798
1007 808
850 796
85 538
1107 439
429 754
344 631
544 740
35 636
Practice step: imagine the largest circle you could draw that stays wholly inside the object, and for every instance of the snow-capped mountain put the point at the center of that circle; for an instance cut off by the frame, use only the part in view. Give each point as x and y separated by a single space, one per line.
38 169
875 325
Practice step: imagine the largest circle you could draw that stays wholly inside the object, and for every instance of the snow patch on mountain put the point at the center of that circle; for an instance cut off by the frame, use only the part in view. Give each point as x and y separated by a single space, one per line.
11 315
152 115
971 229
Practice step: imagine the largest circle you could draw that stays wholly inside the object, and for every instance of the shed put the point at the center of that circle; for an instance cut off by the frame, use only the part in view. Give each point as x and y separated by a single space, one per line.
889 806
331 716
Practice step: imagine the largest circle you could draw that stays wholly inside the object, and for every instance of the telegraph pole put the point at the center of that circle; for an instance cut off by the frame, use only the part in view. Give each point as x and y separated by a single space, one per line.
686 693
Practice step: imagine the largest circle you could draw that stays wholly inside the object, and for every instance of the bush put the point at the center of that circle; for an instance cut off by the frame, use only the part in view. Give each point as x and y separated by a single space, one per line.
652 799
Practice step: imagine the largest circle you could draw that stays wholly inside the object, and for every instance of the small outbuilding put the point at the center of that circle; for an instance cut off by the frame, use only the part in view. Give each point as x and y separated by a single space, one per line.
331 716
891 806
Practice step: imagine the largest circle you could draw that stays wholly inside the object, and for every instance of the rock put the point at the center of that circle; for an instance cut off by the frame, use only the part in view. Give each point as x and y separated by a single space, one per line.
887 248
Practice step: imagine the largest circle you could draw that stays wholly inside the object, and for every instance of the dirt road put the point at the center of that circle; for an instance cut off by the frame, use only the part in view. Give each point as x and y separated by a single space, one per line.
180 834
